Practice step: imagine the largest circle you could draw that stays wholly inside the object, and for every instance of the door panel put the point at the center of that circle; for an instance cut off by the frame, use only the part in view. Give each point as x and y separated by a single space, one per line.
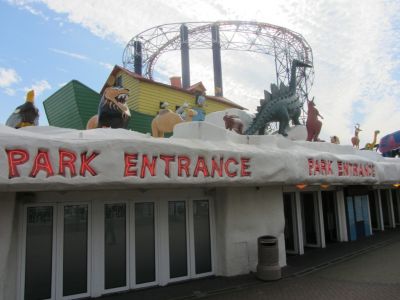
39 252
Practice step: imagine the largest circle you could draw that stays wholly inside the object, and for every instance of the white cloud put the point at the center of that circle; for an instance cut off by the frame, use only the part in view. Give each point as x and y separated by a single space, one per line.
106 65
70 54
10 92
356 46
39 87
8 77
27 5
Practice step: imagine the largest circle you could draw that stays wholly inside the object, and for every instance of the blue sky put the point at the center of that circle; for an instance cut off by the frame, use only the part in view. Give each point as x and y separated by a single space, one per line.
356 49
48 51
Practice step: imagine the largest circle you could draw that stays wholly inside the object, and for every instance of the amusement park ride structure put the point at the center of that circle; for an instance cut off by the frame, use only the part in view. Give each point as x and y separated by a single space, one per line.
144 49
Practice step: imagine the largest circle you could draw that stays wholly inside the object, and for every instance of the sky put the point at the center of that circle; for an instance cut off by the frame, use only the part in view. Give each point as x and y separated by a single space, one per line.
356 49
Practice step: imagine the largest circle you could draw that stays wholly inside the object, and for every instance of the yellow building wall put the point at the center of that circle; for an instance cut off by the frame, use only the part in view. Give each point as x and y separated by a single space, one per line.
145 97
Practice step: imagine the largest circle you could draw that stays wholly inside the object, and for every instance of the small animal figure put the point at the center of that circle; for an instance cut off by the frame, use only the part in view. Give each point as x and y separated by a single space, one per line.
233 122
313 125
355 140
335 140
26 114
371 146
166 120
113 110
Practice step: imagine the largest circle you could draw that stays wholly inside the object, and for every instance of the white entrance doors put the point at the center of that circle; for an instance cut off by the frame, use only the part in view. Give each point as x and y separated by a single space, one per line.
75 250
189 239
56 251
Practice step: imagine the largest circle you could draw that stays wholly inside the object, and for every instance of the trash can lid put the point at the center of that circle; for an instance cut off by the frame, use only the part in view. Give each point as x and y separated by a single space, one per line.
267 237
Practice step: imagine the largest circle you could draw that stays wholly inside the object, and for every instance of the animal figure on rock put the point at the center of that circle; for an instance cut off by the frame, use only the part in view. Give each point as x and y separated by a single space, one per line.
281 105
113 110
372 145
166 120
389 145
313 125
26 114
355 140
335 140
233 122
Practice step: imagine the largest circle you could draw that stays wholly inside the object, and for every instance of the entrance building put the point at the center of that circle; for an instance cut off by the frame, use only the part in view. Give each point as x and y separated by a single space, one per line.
85 214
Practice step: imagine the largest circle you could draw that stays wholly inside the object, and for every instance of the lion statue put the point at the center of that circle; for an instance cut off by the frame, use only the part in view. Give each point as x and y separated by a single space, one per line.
113 110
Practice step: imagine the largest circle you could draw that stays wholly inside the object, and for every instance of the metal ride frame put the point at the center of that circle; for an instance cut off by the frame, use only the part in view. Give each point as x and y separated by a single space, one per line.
144 49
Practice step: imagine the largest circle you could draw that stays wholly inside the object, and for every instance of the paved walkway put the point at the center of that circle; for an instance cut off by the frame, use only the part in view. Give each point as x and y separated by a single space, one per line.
364 269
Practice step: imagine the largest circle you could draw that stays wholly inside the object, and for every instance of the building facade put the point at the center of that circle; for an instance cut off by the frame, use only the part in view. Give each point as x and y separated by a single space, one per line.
89 213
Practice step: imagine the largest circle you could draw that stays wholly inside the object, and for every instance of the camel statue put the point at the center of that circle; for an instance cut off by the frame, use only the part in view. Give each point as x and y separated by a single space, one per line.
355 140
371 146
335 140
166 120
313 125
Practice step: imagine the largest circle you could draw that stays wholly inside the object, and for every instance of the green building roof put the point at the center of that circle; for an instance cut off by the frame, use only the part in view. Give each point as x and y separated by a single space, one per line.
75 103
71 106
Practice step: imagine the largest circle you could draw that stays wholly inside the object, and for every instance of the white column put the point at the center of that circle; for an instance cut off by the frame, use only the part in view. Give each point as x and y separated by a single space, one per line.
321 220
380 212
369 217
8 259
299 219
341 208
391 210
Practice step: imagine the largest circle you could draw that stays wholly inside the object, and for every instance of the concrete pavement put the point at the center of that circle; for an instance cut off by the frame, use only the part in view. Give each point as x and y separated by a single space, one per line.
364 269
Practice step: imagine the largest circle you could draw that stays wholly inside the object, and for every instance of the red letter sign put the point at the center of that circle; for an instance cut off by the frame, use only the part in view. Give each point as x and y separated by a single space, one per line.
85 161
16 157
42 163
67 160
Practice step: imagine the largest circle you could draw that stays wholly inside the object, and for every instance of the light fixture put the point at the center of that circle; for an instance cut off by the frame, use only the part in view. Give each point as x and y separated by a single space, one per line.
396 185
301 186
324 186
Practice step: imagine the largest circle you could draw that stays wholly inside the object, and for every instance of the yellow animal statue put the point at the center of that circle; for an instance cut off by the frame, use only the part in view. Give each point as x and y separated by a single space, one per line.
166 120
371 146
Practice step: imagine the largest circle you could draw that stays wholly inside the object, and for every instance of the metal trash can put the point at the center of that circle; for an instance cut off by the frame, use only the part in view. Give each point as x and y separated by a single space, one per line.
268 258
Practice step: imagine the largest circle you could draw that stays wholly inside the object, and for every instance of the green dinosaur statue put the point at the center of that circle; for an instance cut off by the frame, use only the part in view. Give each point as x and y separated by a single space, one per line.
281 105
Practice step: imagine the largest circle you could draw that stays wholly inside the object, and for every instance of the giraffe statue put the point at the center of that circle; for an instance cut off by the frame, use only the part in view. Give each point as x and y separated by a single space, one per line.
355 140
371 146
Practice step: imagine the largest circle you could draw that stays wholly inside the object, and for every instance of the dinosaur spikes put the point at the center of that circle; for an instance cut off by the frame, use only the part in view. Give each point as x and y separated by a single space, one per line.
267 95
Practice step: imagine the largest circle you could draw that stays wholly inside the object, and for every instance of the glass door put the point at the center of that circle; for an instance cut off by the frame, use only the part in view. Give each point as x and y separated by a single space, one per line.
74 247
201 258
38 258
178 240
115 247
145 244
190 239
